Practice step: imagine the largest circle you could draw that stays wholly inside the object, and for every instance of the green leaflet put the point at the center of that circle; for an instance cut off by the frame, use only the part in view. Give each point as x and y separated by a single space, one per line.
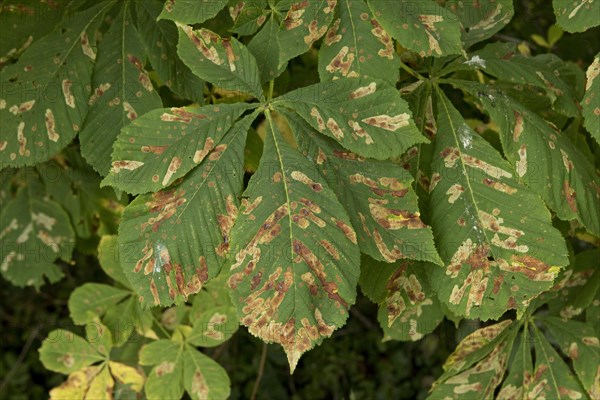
423 27
305 23
176 239
408 307
356 45
366 116
191 11
576 15
477 365
43 97
122 90
377 194
545 159
591 100
160 44
110 262
248 16
224 62
494 234
34 233
91 299
179 367
265 47
296 263
579 342
64 352
481 19
165 144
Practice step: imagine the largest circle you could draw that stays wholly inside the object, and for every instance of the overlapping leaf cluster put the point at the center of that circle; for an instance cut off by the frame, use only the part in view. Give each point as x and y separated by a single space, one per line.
453 217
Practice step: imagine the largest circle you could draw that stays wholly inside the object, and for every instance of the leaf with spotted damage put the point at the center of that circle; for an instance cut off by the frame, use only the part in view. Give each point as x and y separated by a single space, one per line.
224 62
481 19
248 16
160 43
494 234
121 90
423 27
304 23
366 116
44 96
177 368
576 15
176 239
408 307
35 232
191 11
295 262
356 45
476 367
265 47
591 101
377 194
165 144
545 159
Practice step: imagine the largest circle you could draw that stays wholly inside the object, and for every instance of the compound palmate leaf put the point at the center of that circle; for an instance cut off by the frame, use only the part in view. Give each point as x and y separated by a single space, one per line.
356 45
34 233
378 195
122 90
174 240
591 100
366 116
43 97
423 27
494 234
295 259
163 145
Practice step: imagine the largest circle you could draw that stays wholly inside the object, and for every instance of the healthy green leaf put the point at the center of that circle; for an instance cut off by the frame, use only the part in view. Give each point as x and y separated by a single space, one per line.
424 27
544 158
296 260
304 24
122 90
377 194
191 11
356 45
43 97
165 144
576 15
265 48
160 44
108 256
481 19
494 234
591 100
64 352
366 116
34 233
408 307
176 239
224 62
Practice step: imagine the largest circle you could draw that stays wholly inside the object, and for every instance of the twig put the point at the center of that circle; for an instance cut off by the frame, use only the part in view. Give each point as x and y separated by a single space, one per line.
19 361
261 369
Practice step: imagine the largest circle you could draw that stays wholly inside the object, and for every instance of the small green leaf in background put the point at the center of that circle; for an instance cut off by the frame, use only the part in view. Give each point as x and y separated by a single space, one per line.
265 48
191 11
248 16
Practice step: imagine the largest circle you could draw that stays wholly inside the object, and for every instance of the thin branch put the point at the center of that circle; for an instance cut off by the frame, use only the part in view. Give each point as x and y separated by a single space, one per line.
261 369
